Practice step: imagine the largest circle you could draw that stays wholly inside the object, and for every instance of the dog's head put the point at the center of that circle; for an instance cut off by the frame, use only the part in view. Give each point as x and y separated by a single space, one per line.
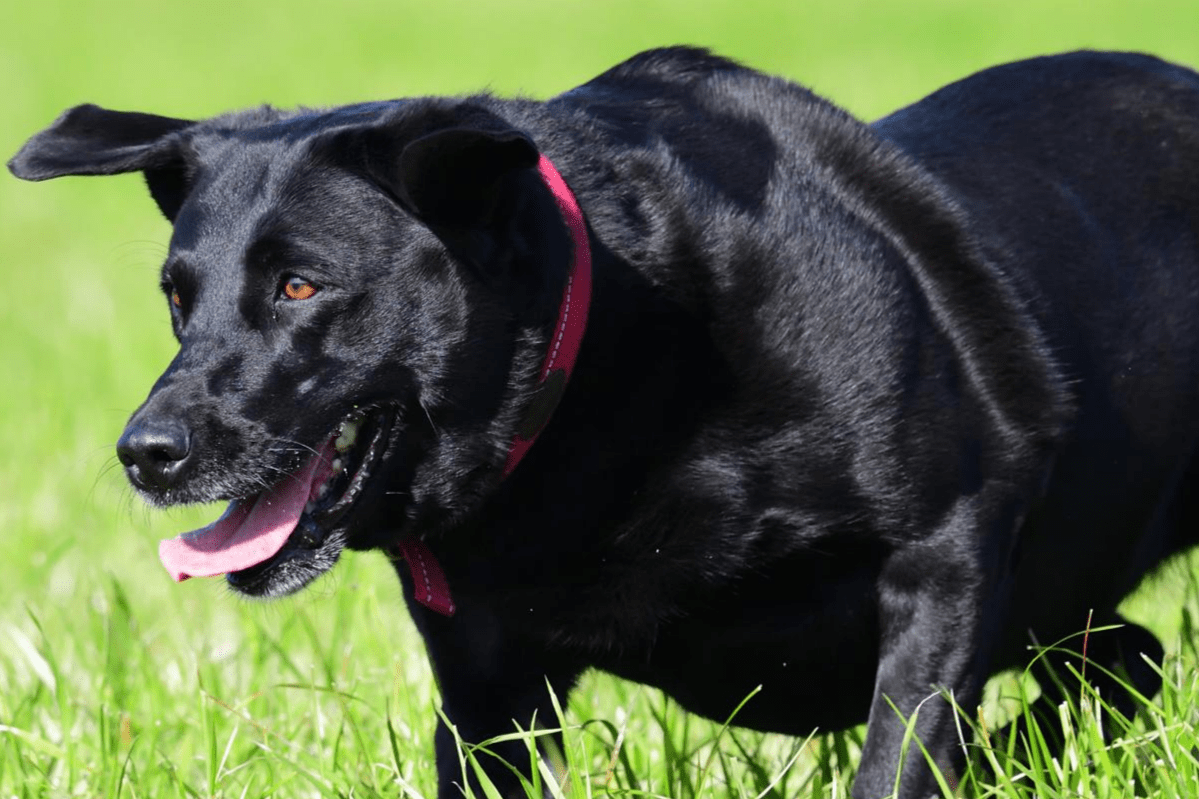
361 297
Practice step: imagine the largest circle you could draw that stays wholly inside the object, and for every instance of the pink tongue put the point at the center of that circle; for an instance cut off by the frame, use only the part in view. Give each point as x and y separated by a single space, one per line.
252 529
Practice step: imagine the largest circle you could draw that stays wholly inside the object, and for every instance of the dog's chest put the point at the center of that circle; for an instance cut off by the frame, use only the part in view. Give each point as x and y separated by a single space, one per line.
807 653
801 632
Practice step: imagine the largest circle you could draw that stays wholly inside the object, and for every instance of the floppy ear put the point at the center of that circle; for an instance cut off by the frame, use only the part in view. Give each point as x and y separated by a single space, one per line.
89 140
461 182
455 177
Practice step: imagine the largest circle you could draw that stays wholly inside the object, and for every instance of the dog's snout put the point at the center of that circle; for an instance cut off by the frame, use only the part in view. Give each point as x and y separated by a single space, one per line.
154 452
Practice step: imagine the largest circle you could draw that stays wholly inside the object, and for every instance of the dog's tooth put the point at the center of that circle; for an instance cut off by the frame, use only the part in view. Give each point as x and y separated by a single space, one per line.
310 507
322 491
346 435
338 465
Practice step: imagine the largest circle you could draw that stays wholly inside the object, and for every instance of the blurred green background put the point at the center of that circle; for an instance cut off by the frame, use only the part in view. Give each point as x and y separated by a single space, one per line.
84 331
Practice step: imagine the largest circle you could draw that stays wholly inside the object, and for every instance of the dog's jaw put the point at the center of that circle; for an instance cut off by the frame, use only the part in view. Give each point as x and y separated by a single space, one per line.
329 519
276 542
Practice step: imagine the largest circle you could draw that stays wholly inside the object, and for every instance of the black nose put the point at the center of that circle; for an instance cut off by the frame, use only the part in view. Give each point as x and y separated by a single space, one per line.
154 452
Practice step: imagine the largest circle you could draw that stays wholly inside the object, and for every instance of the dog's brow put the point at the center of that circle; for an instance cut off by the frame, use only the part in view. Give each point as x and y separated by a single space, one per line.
277 252
175 271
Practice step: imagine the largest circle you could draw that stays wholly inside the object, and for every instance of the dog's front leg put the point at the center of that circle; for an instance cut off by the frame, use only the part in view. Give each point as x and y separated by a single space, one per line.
492 681
931 611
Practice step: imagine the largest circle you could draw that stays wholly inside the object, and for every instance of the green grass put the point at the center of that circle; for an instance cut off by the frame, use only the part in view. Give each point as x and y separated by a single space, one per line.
116 683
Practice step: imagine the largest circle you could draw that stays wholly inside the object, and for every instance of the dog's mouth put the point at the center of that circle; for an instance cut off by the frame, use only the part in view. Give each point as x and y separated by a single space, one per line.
292 522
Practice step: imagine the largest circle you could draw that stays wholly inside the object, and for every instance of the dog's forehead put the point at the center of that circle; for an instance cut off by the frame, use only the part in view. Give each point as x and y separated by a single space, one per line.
249 151
232 185
269 124
257 167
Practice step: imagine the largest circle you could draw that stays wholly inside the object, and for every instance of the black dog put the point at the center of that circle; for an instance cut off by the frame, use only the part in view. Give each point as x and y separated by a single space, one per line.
858 413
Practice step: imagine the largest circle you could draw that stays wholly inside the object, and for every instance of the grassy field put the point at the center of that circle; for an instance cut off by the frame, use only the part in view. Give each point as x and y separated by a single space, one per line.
116 682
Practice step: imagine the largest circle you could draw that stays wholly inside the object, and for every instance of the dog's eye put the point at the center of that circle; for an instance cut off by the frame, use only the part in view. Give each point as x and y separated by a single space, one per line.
297 288
176 300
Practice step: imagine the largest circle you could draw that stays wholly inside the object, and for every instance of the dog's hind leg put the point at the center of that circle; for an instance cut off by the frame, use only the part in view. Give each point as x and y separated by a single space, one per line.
1115 663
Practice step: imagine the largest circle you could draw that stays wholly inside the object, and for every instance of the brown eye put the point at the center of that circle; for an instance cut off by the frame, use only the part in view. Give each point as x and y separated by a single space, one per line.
297 288
176 300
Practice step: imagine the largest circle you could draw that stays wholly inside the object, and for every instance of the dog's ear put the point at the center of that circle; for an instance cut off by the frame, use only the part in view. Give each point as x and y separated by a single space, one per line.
455 177
472 180
89 140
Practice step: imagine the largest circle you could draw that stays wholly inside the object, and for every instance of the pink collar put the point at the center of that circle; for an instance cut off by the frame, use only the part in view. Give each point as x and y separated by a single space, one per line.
432 590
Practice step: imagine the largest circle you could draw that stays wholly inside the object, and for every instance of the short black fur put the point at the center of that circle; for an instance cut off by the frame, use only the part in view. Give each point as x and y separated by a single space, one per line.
861 411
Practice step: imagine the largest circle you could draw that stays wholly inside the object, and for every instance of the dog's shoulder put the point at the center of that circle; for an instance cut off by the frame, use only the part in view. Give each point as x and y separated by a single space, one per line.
679 66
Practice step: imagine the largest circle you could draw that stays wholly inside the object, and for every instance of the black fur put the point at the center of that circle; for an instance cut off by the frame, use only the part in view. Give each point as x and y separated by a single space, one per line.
861 411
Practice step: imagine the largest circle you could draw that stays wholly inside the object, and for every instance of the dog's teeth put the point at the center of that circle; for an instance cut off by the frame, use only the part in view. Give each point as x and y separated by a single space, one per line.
346 436
310 507
338 465
322 491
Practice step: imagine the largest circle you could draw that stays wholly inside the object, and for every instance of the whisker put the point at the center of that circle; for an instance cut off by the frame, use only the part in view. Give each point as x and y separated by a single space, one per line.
291 445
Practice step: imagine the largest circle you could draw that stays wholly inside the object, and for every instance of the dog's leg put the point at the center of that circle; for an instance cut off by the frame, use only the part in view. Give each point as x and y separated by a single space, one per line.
931 614
483 704
491 683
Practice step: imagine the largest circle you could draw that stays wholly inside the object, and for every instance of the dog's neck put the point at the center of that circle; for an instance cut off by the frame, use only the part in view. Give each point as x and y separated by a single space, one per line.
568 330
431 587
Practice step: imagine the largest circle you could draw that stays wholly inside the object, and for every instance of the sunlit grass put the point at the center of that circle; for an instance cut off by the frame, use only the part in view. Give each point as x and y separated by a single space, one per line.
206 695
